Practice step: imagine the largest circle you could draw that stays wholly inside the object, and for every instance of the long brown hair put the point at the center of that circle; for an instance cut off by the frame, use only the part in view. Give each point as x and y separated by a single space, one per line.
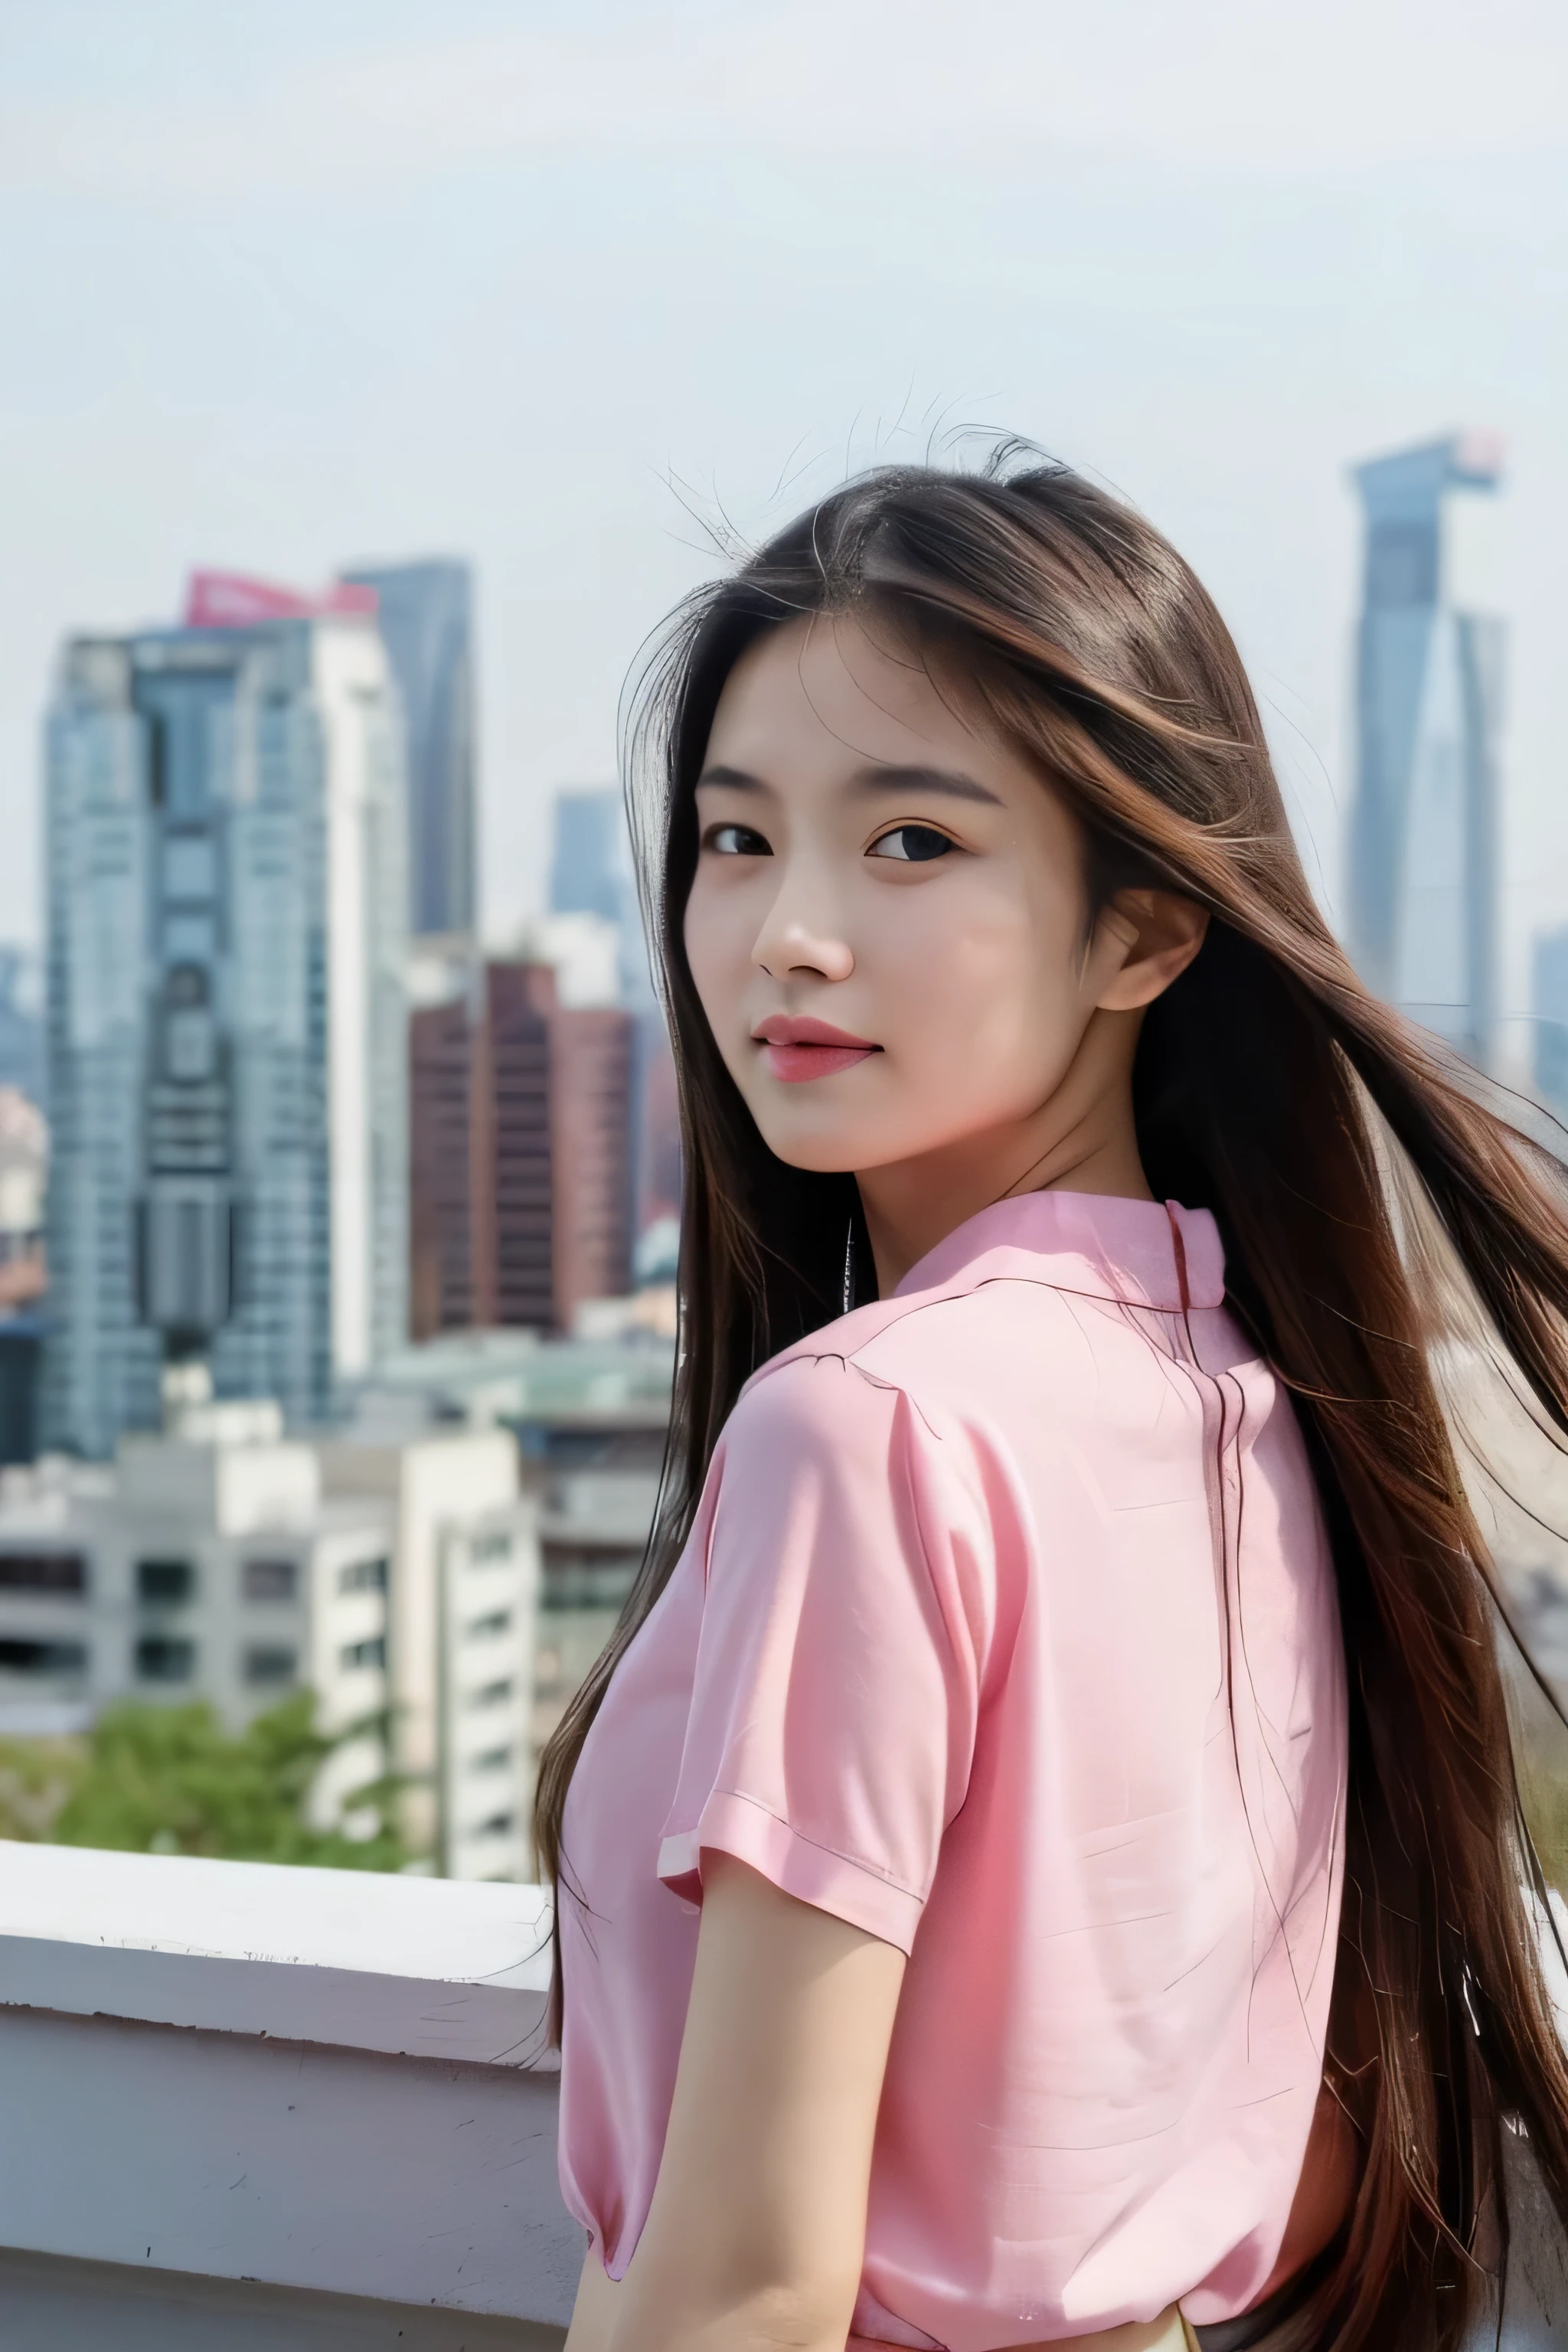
1271 1089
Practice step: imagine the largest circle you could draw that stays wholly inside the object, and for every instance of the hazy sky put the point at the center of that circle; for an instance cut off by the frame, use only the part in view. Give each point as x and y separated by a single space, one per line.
284 285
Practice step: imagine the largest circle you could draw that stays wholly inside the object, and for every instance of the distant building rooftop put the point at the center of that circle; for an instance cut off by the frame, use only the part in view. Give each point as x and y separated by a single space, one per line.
513 1376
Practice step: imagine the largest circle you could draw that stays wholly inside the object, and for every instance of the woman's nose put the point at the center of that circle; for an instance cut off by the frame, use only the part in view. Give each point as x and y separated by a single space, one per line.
794 941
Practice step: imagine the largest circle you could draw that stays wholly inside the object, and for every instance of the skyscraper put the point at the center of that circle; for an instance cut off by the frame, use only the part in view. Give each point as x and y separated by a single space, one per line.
226 1026
1424 833
425 619
1549 1007
591 874
590 868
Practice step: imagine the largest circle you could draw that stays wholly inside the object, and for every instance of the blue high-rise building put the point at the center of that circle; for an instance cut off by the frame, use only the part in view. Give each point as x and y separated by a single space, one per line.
591 873
425 617
1549 1009
227 1019
1424 832
590 863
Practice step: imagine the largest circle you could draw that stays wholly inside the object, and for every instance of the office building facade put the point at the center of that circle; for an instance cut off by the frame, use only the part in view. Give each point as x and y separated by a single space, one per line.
227 1019
424 613
1424 847
522 1112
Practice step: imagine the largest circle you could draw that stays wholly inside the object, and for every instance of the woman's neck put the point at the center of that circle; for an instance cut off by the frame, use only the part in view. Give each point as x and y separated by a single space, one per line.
911 1205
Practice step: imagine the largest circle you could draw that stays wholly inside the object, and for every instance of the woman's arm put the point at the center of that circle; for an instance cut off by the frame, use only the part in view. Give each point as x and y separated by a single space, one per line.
756 2232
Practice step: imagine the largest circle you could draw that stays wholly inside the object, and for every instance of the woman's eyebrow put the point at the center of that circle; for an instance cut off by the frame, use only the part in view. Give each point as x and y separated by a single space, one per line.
952 783
876 776
731 780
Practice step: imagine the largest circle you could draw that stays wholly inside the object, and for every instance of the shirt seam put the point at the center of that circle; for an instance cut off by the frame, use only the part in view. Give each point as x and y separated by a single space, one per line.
804 1351
868 1869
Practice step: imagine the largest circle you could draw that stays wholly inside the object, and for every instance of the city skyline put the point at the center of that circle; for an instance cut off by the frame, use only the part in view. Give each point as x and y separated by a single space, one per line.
669 274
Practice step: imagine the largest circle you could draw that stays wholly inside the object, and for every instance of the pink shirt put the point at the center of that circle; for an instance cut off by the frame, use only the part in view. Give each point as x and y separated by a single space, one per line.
1006 1630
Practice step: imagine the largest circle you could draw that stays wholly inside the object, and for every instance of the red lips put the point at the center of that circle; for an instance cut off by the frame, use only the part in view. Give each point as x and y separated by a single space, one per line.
798 1047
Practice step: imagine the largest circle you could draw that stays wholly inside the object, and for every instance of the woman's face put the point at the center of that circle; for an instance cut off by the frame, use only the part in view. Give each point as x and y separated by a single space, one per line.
886 929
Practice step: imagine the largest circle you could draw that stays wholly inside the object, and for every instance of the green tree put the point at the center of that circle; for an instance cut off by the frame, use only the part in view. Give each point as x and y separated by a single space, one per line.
36 1776
171 1779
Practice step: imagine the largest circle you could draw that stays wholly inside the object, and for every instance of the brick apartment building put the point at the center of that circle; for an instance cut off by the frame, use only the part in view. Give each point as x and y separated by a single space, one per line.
521 1155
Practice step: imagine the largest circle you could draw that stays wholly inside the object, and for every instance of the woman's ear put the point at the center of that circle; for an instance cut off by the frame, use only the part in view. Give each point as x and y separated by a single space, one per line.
1159 933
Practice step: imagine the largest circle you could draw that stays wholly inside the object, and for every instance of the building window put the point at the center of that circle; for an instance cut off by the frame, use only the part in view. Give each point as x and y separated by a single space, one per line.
270 1580
496 1545
491 1759
491 1694
270 1663
160 1659
42 1657
363 1653
363 1576
498 1825
166 1581
43 1571
190 865
488 1629
189 938
586 1575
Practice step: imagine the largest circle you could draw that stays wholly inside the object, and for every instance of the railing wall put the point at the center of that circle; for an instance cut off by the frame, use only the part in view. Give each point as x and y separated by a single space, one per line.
259 2110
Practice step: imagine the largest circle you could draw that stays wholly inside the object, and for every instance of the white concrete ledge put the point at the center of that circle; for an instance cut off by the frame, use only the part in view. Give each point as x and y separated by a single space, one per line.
55 2306
259 2110
414 1967
288 2101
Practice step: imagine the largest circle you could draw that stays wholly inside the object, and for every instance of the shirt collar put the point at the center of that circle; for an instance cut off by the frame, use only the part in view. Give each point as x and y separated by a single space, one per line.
1095 1243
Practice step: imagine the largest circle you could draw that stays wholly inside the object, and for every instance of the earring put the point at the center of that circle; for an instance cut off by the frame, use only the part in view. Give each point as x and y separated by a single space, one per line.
850 1267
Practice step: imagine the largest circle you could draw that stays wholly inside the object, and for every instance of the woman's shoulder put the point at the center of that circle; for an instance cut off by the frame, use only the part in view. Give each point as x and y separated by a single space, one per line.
942 1351
819 1393
829 1475
1013 1372
841 1407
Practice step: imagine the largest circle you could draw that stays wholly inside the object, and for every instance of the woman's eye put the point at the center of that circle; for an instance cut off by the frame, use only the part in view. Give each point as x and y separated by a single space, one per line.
735 841
913 844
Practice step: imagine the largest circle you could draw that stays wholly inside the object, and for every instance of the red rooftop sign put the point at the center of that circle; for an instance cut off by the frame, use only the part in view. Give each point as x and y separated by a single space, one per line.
229 600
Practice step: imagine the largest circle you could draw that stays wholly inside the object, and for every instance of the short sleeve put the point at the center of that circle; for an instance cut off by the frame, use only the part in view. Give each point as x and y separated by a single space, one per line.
833 1709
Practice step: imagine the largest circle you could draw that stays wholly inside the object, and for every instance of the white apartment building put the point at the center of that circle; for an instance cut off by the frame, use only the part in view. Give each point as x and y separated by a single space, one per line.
463 1592
589 1416
485 1761
205 1562
221 1560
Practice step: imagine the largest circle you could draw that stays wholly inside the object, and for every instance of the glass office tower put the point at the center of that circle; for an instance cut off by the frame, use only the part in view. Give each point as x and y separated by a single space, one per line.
1424 833
590 863
426 621
591 873
1549 1006
226 1024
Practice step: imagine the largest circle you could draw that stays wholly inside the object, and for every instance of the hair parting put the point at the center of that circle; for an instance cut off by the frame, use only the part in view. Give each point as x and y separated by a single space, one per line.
1272 1088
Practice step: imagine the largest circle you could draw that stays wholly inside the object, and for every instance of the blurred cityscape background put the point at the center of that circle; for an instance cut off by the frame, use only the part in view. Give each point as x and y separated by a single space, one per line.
391 365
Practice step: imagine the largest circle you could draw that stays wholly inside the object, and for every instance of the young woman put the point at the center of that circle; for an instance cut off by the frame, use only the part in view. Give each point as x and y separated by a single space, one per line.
1040 1859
